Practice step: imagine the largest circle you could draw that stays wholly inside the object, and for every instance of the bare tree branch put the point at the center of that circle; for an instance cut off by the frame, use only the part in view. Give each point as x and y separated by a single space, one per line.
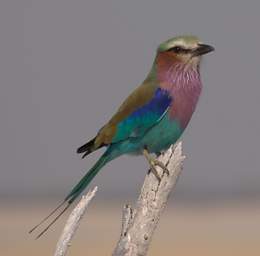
139 224
73 223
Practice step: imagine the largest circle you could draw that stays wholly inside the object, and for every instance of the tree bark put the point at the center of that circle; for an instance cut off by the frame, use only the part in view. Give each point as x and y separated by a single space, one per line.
138 224
72 223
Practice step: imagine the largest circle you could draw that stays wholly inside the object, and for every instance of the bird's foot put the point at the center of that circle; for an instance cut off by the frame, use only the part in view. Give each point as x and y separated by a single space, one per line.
153 162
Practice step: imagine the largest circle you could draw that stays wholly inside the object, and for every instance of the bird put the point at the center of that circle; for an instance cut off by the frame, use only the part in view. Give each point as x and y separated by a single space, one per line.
152 117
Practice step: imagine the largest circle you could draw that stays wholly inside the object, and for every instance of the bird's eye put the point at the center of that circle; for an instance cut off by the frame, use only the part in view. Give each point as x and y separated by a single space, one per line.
177 49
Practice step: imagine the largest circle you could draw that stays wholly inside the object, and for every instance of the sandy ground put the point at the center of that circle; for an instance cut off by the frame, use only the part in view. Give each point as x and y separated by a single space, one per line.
204 230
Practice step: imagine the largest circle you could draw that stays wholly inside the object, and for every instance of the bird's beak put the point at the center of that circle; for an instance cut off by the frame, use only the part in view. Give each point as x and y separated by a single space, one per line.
202 49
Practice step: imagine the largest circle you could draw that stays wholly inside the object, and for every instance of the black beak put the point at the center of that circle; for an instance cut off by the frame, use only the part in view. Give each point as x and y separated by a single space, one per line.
203 49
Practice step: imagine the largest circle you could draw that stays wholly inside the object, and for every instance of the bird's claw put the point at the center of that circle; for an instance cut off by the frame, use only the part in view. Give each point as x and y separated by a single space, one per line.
153 164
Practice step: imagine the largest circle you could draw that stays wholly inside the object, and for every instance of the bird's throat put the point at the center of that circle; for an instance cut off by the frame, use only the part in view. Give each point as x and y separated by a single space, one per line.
175 74
182 81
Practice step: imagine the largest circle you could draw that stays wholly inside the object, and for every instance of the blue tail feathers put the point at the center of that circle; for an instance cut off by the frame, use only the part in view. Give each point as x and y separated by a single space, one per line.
77 190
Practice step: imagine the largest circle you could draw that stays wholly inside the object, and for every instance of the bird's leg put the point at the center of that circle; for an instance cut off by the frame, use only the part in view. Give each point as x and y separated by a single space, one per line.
153 163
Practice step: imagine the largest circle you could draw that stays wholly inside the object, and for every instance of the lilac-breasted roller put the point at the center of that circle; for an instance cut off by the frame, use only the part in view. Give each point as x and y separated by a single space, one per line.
153 116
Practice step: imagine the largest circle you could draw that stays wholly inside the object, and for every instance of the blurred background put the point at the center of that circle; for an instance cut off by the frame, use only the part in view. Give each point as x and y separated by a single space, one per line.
65 67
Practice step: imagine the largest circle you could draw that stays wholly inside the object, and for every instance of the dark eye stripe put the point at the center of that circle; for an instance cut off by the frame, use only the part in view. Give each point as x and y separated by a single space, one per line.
179 49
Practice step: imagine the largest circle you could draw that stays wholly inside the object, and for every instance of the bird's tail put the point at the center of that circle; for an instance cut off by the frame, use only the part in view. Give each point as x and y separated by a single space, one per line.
75 192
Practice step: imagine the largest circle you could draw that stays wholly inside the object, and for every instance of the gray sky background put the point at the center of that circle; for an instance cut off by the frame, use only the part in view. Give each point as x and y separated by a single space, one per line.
65 67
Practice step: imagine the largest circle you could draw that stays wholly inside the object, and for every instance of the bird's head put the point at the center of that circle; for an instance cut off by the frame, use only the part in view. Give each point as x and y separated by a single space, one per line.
184 49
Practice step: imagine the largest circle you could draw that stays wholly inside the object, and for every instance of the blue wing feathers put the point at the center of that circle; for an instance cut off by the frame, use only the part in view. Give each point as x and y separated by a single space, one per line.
158 104
145 117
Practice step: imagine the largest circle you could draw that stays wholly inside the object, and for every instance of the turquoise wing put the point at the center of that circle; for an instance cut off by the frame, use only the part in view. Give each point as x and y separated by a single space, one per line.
144 118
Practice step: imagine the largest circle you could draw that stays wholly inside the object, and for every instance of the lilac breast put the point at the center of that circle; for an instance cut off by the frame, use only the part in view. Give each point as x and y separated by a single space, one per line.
184 85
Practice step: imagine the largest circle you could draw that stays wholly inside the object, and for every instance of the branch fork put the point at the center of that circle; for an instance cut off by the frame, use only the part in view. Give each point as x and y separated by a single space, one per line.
139 223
